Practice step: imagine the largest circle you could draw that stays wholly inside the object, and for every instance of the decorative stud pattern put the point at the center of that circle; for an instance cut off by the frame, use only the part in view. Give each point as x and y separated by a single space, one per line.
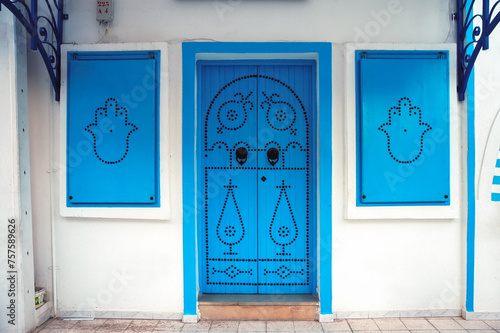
407 118
218 145
117 116
283 272
293 131
232 271
240 103
284 113
285 236
283 231
233 232
229 117
280 115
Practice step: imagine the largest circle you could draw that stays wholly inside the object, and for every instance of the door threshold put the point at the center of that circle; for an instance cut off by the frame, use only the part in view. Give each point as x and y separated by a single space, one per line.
258 299
258 307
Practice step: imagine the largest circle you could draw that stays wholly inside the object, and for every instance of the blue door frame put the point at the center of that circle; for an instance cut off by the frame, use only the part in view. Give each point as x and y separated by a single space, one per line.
322 53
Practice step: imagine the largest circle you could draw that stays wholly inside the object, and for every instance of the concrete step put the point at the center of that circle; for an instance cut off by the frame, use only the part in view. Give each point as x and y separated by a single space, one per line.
258 307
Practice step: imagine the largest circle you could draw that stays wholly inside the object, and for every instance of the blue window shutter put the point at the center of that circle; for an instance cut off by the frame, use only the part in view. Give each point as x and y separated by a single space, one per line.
112 129
403 128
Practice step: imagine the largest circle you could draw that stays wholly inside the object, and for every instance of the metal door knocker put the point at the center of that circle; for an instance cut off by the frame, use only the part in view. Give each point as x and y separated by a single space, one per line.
273 155
241 155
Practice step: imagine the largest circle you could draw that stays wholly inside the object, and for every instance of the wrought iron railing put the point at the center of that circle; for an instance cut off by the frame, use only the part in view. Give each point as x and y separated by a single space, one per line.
46 33
470 44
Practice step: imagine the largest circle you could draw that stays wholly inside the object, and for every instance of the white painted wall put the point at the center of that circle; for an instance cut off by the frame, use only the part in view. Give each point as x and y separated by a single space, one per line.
17 300
117 267
39 105
487 257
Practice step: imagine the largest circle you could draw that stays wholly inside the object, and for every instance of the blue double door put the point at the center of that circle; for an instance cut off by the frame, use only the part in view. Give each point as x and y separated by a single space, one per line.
256 166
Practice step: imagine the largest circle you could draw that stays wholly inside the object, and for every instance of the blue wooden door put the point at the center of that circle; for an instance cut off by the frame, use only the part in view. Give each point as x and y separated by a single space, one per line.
256 176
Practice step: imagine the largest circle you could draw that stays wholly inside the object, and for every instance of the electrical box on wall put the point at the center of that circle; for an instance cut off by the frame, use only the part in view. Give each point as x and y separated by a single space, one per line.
105 11
403 134
113 129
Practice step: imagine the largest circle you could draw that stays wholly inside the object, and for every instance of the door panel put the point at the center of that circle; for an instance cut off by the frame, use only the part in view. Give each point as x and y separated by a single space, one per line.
255 236
283 190
228 104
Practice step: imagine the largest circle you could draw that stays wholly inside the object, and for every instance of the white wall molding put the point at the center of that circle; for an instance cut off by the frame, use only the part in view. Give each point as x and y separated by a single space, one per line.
190 318
397 314
119 314
480 315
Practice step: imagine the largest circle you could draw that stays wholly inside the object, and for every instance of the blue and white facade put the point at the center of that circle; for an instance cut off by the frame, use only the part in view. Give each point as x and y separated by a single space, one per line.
249 147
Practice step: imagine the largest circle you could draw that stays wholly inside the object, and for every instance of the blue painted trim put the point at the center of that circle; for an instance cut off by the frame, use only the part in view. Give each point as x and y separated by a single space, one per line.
324 57
471 197
188 179
471 180
325 176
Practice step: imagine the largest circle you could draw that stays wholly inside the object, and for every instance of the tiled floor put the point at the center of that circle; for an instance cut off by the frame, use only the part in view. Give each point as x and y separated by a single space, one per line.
393 325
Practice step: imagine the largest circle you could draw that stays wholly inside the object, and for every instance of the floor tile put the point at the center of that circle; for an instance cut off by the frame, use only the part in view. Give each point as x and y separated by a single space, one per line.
139 329
338 325
252 326
472 324
445 324
224 326
143 324
60 323
417 324
111 330
377 325
90 323
84 330
495 324
280 326
169 325
202 326
116 324
363 325
307 326
87 325
390 324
